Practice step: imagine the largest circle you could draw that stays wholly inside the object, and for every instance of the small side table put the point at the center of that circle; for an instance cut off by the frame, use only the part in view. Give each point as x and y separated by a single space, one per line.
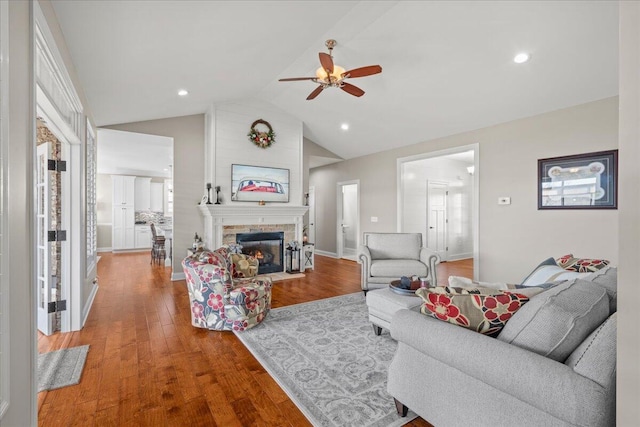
308 249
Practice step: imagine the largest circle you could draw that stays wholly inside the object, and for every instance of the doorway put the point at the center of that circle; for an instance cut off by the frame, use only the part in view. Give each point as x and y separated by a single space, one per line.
311 232
438 197
348 224
52 223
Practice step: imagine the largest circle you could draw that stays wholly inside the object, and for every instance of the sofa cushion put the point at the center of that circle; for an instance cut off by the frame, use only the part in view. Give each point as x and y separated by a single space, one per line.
394 245
557 320
581 265
483 310
397 268
548 271
608 279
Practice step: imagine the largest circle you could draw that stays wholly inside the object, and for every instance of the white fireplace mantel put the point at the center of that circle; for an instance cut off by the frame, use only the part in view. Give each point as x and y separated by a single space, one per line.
216 217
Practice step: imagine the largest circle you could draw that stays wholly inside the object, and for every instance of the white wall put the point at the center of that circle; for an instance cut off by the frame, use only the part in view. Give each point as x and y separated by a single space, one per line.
22 348
512 239
628 368
188 175
459 207
227 144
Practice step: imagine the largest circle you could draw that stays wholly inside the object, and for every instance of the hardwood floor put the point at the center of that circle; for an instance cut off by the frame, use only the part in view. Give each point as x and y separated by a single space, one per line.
148 366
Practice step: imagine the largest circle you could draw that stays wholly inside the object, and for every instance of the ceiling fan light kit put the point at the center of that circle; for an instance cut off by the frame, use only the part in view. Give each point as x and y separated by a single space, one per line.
332 75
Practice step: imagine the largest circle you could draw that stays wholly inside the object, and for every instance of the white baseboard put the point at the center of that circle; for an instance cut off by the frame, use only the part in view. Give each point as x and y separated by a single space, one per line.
104 249
325 253
177 276
458 257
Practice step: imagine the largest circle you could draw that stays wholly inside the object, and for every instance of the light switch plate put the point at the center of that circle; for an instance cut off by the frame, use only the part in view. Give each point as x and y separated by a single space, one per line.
374 219
504 200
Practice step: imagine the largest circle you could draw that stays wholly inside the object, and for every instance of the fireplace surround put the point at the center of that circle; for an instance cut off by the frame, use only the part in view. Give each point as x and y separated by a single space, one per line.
223 222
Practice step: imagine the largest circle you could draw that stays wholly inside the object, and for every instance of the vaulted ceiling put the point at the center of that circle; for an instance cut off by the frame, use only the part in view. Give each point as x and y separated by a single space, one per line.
447 65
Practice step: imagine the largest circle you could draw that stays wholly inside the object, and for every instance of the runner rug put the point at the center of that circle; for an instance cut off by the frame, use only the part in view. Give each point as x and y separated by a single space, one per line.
327 359
61 368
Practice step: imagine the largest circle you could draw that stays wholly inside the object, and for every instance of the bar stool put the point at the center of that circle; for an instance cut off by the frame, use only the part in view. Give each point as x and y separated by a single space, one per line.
158 251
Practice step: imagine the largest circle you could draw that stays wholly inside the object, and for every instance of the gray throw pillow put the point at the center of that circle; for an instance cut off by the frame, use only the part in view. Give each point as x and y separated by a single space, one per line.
554 322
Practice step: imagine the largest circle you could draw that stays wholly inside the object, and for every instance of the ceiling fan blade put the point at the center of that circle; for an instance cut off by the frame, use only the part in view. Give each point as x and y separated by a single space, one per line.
315 93
291 79
363 71
351 89
326 61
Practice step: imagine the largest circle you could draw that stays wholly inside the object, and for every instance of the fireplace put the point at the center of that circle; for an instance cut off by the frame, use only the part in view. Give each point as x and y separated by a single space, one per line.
266 247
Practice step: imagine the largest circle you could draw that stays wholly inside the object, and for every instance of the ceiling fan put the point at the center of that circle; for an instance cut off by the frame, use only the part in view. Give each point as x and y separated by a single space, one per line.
332 75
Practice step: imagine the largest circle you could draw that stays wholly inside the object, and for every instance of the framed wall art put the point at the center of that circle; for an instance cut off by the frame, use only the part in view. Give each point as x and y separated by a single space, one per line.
582 181
259 184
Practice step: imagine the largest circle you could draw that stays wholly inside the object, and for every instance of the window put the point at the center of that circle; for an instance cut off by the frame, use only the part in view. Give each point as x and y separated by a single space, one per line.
92 231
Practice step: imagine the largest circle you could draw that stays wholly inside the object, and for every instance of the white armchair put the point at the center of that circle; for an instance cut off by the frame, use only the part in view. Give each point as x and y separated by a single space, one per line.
389 256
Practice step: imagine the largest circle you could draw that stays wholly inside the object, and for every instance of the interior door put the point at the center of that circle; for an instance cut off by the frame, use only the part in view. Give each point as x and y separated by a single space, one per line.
45 285
437 193
348 242
312 215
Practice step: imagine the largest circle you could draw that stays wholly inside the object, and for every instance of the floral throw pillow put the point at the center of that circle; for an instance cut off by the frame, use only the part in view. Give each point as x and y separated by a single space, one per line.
581 265
482 310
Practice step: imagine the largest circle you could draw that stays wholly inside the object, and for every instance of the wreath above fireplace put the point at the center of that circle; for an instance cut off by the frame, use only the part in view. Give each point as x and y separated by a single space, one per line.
262 138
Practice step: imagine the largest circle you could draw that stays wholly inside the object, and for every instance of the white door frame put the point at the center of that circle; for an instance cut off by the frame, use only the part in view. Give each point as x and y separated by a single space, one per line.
476 193
339 185
443 257
311 232
72 261
58 103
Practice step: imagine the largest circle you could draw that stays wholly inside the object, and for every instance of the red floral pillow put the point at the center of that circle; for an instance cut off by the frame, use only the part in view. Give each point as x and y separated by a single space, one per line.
581 265
480 309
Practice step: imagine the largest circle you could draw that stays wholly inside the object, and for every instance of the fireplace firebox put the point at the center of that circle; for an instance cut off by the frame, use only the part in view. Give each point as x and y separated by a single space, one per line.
266 247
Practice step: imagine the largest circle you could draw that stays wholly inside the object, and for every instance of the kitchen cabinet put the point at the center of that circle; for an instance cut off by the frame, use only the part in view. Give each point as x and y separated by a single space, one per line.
143 236
123 190
123 201
123 227
142 194
156 197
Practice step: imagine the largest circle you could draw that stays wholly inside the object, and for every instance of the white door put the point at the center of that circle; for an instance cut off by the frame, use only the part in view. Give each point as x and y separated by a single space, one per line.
437 218
348 220
44 283
312 215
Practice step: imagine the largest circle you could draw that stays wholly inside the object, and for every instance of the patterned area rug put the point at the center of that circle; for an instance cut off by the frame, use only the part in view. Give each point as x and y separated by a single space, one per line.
326 357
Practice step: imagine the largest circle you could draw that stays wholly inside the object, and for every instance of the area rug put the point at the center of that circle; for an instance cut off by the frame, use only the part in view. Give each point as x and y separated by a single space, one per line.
61 368
327 359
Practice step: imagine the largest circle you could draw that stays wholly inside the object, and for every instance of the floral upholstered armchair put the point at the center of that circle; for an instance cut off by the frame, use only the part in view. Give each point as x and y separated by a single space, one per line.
223 291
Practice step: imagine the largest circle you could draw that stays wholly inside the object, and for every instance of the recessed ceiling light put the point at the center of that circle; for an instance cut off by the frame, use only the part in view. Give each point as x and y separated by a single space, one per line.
344 126
521 57
183 92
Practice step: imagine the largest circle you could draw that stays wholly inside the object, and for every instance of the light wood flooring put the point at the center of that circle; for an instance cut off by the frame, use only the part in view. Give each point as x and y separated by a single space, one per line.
148 366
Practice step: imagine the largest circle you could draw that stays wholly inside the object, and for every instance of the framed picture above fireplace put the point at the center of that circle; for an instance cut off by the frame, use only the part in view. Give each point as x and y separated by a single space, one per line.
259 183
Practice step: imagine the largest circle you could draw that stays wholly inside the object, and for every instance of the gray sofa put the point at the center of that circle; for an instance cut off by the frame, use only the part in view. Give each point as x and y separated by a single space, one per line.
388 256
553 364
